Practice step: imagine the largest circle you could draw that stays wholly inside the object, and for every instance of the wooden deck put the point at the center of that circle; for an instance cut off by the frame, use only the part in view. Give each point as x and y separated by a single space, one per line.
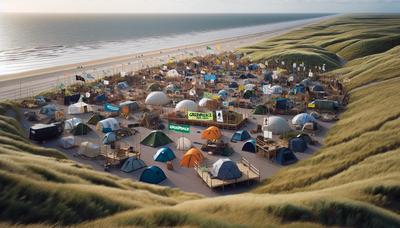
249 173
236 126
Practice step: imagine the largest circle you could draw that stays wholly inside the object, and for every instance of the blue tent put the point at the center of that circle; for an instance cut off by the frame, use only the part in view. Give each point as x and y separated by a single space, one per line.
240 136
111 108
268 76
284 156
101 98
164 154
109 138
152 175
297 144
249 146
225 169
223 94
233 85
298 88
132 164
253 66
210 77
282 103
71 99
48 110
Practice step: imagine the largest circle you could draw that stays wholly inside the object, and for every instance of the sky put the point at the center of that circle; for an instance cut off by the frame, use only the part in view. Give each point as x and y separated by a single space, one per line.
199 6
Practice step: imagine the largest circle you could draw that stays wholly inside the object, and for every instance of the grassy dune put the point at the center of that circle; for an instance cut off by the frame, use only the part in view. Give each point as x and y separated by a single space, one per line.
354 180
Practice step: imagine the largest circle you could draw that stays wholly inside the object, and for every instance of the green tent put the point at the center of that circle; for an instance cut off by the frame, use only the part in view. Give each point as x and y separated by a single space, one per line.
155 139
81 129
95 118
260 110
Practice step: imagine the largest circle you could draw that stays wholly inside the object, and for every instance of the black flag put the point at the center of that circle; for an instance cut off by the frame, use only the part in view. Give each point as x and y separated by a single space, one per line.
79 78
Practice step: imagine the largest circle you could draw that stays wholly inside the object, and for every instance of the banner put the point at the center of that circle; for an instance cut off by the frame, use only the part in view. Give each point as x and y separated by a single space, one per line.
207 116
220 117
182 128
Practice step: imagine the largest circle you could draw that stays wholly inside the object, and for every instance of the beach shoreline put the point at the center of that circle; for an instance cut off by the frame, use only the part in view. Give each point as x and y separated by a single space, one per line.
31 83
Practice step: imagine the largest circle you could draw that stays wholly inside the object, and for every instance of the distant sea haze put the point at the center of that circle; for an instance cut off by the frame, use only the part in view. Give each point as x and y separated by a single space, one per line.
35 41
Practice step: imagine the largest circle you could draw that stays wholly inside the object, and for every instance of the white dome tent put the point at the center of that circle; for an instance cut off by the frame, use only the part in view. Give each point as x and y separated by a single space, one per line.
79 108
67 142
186 105
276 124
89 149
156 98
183 144
109 123
303 118
172 74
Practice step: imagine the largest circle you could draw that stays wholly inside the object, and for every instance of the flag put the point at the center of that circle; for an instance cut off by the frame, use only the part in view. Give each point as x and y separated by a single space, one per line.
79 78
220 117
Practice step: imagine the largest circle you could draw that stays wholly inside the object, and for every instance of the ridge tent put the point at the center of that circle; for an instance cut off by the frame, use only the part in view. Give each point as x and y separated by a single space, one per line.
249 146
211 133
156 138
152 175
297 144
109 138
191 158
79 108
89 149
240 135
183 143
110 108
284 156
81 129
132 164
164 154
67 142
107 125
225 169
95 118
71 123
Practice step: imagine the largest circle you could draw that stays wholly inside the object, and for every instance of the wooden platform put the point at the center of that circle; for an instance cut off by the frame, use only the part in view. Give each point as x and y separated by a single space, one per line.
236 126
249 173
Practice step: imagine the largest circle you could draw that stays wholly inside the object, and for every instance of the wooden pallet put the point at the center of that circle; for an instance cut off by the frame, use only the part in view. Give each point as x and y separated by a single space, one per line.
236 126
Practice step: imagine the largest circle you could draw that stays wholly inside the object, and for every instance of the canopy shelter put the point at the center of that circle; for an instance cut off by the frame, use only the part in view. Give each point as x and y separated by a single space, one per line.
240 135
156 138
132 164
225 169
284 156
249 146
81 129
152 175
183 143
79 108
191 158
108 125
164 154
211 133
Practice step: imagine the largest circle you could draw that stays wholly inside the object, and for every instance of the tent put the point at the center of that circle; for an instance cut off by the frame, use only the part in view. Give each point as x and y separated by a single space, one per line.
172 74
284 156
95 118
211 133
154 87
250 87
282 103
317 88
109 138
275 90
81 129
107 125
89 149
297 144
183 143
71 99
276 124
79 108
123 85
302 118
260 110
132 105
164 154
253 66
157 98
67 142
110 108
225 169
191 158
240 135
324 104
223 94
306 82
100 98
71 123
203 102
132 164
48 110
152 175
248 94
210 77
268 76
305 137
186 105
233 85
298 88
171 88
249 146
155 139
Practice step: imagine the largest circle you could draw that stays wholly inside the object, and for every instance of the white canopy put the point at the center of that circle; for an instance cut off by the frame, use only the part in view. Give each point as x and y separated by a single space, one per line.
276 124
186 105
157 98
79 108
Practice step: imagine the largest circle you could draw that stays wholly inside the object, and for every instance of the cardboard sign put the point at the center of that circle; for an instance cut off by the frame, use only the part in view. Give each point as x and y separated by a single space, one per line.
206 116
182 128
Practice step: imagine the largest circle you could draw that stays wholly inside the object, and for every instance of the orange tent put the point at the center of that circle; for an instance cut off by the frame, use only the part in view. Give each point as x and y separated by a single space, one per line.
192 157
211 133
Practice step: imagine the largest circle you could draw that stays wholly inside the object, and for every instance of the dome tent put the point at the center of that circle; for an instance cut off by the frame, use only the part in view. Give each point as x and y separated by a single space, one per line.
164 154
171 88
203 102
81 129
274 90
233 85
89 149
249 146
79 108
276 124
172 74
317 88
260 110
152 175
183 143
109 138
302 118
284 156
225 169
240 135
186 105
191 158
223 94
157 98
211 133
154 87
71 123
107 125
67 142
297 144
155 139
132 164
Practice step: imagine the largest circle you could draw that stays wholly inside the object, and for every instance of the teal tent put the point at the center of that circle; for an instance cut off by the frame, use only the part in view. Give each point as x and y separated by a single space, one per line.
132 164
164 154
152 175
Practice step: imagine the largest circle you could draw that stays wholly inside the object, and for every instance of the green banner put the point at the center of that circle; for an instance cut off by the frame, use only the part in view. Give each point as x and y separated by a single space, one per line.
179 128
207 116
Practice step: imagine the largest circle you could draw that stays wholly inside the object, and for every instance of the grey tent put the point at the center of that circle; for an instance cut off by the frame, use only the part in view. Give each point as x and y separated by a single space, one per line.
132 164
225 169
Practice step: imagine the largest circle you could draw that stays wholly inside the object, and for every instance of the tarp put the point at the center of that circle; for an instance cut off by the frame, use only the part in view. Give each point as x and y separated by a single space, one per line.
152 175
132 164
191 158
110 108
225 169
164 154
241 135
211 133
284 156
249 146
155 139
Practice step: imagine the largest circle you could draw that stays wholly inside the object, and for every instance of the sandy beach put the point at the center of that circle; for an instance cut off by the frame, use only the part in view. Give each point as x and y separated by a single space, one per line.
30 83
